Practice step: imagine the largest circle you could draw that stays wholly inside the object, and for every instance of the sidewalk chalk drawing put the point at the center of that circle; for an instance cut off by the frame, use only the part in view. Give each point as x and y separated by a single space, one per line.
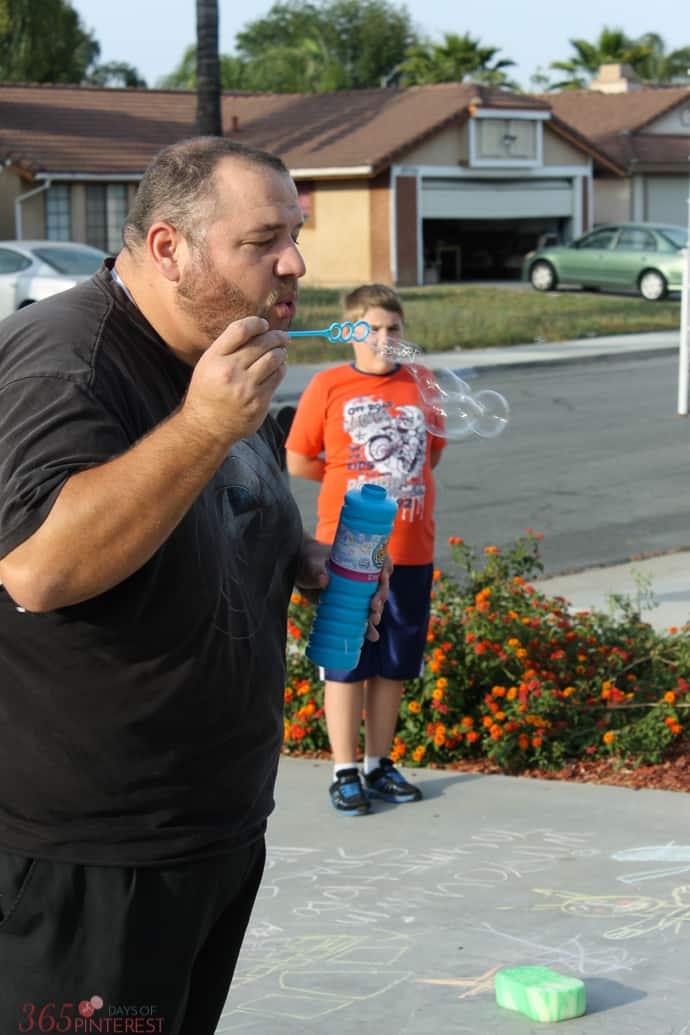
574 954
314 975
671 854
654 914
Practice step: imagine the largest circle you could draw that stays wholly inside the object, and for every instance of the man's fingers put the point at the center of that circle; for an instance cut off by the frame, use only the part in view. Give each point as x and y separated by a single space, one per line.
237 334
270 364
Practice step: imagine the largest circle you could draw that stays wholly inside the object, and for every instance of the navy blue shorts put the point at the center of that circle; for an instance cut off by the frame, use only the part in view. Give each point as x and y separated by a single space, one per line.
399 652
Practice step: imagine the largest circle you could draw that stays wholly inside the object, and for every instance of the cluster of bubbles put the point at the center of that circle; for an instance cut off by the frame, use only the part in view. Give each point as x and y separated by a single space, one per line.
452 410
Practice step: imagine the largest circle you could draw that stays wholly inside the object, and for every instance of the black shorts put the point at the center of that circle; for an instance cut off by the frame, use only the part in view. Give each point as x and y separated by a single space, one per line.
82 943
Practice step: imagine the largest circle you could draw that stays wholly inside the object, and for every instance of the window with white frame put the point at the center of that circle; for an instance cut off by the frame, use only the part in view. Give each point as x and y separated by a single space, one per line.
507 138
106 211
58 213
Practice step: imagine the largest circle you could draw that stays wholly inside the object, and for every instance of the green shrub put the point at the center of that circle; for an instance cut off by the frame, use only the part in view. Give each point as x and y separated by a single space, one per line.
513 676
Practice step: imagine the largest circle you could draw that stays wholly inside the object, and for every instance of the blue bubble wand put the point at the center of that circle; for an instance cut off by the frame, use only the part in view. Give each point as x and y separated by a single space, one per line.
453 411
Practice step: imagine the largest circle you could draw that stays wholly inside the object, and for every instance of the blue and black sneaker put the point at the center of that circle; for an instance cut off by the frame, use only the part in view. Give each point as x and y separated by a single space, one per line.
347 794
386 782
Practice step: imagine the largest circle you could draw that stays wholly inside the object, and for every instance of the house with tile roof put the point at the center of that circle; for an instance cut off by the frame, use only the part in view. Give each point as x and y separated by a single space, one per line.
404 186
646 132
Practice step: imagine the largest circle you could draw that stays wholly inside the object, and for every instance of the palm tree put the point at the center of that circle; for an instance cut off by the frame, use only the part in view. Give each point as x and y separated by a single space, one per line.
456 59
660 66
208 119
611 46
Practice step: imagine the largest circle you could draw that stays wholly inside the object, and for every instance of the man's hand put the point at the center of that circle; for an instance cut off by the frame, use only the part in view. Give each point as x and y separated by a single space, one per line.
379 599
234 380
312 575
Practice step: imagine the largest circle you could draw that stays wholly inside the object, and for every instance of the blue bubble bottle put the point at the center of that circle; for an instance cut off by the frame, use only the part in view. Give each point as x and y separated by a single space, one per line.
354 566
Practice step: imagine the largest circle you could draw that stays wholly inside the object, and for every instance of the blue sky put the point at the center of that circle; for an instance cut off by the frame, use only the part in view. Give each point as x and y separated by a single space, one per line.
152 34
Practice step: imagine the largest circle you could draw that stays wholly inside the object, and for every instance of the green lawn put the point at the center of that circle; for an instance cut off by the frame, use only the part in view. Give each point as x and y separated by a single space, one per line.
447 316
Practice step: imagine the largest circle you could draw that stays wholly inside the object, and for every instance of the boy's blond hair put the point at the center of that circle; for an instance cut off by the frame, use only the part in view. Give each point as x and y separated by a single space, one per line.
371 296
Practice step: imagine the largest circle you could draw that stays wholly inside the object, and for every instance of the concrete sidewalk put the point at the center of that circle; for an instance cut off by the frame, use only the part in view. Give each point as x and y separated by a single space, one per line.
395 923
659 586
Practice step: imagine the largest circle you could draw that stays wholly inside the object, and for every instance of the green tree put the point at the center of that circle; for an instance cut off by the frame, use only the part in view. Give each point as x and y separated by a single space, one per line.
115 73
183 77
612 46
208 117
660 66
310 46
44 42
456 59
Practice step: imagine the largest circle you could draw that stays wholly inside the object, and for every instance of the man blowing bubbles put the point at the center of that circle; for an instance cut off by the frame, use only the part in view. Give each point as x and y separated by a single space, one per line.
148 549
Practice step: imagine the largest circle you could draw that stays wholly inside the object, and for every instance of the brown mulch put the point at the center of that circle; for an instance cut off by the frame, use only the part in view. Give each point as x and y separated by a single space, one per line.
671 775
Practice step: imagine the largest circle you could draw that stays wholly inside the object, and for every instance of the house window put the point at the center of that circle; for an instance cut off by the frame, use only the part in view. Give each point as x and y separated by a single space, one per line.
507 139
106 211
305 195
58 216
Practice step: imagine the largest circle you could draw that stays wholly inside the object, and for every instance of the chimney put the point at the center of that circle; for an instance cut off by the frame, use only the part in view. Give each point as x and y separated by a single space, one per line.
619 78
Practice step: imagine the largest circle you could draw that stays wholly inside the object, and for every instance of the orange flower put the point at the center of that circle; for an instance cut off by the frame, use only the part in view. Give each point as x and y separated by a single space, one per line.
512 693
437 695
415 707
441 683
670 697
491 549
288 694
437 574
488 720
609 737
468 720
523 741
536 742
418 753
472 736
496 732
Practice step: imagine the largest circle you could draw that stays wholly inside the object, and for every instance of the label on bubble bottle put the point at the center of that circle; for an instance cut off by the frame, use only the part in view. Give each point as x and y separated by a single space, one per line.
358 555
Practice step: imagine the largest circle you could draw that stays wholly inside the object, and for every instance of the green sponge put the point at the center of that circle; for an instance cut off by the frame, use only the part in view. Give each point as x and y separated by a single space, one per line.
540 993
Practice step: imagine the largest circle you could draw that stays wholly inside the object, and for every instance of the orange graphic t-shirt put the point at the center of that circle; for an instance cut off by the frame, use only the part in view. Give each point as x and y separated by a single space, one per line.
371 428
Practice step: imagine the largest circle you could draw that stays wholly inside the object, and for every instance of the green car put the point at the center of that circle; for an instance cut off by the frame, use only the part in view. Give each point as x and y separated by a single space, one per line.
644 257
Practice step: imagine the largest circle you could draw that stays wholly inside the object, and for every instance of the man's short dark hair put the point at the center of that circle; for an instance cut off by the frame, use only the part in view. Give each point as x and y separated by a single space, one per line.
179 186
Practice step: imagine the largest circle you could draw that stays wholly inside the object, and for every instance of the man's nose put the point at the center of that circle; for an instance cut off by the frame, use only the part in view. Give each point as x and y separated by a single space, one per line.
290 262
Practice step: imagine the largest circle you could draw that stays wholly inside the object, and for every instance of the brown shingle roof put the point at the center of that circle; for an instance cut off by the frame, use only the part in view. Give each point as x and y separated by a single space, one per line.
616 122
71 129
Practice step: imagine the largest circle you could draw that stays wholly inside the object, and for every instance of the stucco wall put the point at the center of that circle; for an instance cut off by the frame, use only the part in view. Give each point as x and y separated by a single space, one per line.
612 200
336 242
558 151
676 122
448 148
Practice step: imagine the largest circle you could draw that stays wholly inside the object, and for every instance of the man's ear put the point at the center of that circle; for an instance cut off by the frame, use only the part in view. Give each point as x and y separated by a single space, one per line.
166 248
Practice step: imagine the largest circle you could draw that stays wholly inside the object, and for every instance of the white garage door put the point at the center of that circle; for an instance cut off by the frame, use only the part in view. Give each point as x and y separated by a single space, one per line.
666 199
497 199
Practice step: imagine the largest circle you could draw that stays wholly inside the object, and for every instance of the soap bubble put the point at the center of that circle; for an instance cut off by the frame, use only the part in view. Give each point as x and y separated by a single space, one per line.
452 410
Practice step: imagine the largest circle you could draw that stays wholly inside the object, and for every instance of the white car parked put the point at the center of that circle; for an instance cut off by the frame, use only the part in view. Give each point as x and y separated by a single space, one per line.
32 270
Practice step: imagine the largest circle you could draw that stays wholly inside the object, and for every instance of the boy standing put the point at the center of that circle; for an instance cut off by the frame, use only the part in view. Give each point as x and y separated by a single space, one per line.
364 421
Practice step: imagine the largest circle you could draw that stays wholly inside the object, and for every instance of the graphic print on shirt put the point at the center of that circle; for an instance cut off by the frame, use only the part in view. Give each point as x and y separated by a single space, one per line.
389 444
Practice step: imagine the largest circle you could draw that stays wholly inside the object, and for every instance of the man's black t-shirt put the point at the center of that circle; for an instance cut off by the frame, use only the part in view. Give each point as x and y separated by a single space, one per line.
144 725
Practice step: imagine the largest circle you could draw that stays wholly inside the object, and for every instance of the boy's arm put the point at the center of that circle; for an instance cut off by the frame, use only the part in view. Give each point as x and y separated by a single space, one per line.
311 467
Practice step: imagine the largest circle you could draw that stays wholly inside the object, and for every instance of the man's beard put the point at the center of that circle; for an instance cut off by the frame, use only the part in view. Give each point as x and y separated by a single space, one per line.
213 302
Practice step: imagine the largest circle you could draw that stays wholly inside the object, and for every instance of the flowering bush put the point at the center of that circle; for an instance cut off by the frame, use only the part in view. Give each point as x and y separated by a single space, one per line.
513 676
